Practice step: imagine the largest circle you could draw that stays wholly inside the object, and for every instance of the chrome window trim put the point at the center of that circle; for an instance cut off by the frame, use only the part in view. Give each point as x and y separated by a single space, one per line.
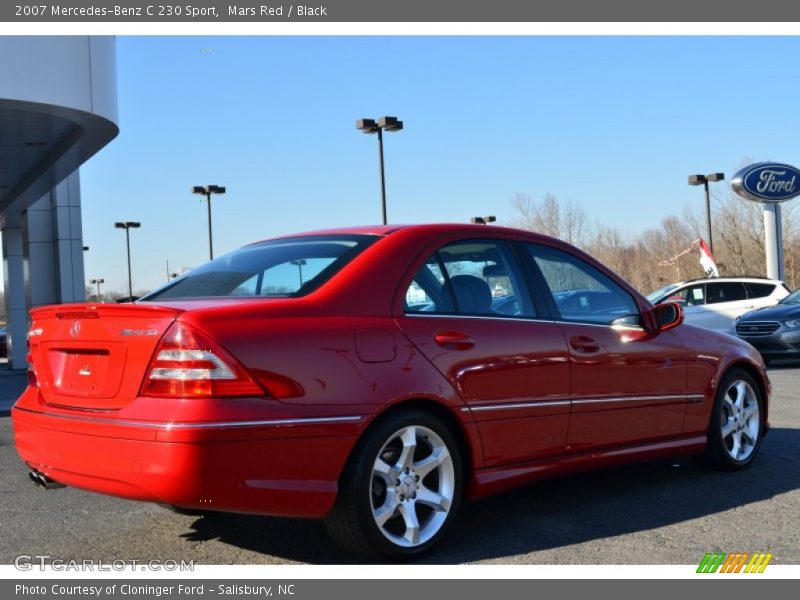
533 320
200 425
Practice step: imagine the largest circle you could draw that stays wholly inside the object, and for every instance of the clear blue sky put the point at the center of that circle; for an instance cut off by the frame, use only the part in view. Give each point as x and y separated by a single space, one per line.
615 124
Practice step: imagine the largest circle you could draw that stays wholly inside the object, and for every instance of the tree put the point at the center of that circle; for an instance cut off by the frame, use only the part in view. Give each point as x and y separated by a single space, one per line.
644 259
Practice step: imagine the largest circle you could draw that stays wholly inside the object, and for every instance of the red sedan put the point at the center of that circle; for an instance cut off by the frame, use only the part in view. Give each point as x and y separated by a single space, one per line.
376 378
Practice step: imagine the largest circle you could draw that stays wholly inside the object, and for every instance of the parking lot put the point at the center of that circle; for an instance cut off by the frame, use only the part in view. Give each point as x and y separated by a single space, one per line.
664 513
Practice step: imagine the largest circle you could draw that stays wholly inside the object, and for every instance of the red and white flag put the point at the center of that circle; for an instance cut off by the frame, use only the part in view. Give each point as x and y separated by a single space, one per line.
707 260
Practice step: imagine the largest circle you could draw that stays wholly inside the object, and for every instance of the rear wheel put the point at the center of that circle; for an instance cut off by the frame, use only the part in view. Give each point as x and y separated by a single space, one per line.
737 423
400 490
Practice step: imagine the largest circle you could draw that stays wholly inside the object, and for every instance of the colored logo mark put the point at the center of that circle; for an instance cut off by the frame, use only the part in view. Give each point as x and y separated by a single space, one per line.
738 562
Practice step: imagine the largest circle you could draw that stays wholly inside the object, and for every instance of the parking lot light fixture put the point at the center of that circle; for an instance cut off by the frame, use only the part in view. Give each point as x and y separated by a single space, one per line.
97 282
703 180
127 226
483 220
391 124
207 191
299 263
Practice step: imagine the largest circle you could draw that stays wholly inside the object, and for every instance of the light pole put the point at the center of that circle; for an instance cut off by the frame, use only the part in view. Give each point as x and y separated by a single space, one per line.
704 179
207 191
299 263
97 282
372 126
127 226
483 220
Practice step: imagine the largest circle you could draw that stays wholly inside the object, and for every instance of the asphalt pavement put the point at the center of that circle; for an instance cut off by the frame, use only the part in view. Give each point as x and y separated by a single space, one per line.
657 513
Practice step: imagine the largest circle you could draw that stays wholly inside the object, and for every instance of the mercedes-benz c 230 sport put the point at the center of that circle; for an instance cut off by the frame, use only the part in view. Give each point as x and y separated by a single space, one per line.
377 378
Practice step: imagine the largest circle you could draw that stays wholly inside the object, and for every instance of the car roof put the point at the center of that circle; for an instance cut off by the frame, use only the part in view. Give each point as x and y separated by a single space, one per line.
729 279
434 228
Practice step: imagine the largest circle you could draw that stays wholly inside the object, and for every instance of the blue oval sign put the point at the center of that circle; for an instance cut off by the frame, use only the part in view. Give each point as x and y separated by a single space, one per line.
767 182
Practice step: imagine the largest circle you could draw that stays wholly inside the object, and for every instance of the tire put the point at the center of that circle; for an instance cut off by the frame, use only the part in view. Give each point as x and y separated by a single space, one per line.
737 424
406 470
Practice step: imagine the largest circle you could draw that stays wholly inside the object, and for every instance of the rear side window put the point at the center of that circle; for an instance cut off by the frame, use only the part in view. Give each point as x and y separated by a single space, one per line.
280 268
729 291
473 277
759 290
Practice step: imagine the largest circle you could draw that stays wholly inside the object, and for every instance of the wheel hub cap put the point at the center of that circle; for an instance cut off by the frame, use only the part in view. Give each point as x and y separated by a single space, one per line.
408 485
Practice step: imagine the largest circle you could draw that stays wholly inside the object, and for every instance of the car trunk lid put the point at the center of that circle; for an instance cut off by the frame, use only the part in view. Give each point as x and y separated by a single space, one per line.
95 356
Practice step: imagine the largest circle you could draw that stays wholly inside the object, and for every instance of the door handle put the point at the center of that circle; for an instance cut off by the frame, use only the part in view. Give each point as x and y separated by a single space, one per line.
582 343
453 340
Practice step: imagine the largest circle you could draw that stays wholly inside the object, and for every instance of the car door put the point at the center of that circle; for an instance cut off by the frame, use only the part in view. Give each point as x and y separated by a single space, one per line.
628 386
468 310
725 301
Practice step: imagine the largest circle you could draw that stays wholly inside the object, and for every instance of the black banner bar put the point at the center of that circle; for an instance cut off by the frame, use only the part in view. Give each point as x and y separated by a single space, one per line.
461 11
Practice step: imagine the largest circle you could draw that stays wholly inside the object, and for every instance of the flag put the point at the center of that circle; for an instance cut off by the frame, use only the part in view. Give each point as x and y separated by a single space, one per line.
707 260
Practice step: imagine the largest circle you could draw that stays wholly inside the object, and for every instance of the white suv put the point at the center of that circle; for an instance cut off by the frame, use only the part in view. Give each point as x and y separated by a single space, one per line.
715 303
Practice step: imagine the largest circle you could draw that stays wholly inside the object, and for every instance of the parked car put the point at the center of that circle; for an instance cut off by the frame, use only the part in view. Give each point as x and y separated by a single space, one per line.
715 303
773 330
3 342
379 388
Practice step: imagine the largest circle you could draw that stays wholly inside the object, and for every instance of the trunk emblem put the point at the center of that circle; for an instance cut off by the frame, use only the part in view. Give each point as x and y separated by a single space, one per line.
130 332
75 330
85 371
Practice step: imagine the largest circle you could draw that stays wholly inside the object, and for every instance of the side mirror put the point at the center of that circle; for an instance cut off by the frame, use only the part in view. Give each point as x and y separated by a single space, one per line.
667 315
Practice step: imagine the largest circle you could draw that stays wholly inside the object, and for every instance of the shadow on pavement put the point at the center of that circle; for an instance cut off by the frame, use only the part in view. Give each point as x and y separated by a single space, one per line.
550 514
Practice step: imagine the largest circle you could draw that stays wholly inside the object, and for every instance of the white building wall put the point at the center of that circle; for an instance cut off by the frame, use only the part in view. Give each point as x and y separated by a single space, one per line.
69 80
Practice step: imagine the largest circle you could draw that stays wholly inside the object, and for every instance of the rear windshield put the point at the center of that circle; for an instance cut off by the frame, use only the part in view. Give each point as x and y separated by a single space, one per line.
274 269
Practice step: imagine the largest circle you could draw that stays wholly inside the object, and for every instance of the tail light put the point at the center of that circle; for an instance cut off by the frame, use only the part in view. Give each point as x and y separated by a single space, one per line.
32 381
187 364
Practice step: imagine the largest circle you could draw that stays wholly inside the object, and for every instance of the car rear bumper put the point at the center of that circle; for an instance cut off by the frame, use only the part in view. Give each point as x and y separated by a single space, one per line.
280 467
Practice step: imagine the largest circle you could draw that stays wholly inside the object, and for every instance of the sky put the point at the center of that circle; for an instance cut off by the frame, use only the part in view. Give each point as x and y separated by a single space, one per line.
614 124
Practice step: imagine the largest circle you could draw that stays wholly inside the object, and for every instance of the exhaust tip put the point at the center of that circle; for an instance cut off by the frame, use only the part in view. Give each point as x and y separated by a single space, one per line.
44 481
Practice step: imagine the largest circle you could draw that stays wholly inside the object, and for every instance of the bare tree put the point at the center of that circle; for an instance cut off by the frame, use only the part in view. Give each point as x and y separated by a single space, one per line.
644 259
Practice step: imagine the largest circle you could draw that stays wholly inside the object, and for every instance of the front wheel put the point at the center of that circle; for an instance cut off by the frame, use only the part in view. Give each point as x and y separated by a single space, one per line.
400 490
737 423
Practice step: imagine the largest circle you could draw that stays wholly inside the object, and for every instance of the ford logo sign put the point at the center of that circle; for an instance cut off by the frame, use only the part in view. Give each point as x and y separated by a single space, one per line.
767 182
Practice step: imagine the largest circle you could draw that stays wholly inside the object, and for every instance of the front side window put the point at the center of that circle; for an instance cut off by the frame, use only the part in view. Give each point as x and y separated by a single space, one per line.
689 296
475 277
279 268
581 293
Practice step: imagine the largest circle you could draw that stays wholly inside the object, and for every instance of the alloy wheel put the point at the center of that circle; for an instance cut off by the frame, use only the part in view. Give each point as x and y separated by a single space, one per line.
412 486
741 420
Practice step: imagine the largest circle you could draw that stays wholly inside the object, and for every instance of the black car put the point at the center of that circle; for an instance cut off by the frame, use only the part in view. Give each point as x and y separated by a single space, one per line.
773 330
